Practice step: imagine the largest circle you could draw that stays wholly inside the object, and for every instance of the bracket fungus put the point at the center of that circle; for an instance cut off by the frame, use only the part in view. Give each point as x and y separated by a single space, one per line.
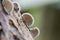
12 26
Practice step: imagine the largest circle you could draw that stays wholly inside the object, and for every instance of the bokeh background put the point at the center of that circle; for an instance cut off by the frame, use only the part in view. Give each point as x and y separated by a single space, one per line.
46 15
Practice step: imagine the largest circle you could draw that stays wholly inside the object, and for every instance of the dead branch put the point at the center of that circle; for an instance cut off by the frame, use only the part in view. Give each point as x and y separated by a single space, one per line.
12 26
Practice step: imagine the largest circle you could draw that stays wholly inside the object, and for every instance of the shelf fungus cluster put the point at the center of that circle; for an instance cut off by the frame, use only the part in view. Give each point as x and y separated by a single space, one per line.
13 24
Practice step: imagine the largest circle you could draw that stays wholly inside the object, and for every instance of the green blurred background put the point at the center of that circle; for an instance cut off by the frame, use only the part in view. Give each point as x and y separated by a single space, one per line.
37 8
37 13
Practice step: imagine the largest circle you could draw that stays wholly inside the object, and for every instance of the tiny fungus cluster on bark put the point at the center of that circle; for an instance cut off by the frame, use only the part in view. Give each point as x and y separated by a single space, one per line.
13 24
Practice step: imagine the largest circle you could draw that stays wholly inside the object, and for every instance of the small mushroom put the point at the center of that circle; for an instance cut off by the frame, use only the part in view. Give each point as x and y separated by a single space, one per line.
35 32
8 6
16 6
28 19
